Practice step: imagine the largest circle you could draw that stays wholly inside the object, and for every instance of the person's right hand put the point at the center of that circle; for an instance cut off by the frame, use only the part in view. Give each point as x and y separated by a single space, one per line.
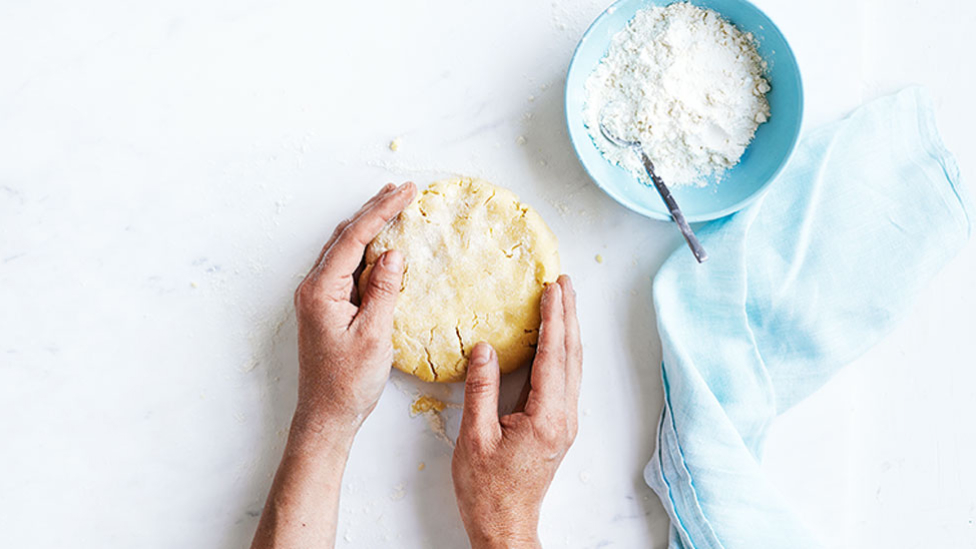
502 467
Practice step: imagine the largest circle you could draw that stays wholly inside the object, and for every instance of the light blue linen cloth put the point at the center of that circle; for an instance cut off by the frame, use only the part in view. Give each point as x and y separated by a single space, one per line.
798 285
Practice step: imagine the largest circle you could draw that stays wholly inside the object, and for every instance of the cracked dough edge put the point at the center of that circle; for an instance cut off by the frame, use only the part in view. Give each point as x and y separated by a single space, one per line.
445 360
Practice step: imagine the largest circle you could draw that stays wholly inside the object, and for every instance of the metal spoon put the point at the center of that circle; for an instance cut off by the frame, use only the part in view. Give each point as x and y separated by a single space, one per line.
662 189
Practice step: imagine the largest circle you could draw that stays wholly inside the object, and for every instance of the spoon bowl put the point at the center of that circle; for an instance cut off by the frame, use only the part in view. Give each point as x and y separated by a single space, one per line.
673 210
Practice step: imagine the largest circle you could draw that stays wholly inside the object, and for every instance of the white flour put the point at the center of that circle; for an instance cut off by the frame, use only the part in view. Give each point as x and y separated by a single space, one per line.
685 83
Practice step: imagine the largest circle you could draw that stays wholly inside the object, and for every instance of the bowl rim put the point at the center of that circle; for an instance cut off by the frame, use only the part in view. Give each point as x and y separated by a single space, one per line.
707 216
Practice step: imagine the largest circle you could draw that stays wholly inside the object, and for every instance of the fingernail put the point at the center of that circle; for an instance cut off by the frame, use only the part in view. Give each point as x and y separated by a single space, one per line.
392 260
552 289
481 354
403 187
569 285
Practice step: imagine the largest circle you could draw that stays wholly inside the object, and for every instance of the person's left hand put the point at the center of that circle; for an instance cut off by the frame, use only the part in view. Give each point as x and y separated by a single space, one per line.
503 466
345 352
345 341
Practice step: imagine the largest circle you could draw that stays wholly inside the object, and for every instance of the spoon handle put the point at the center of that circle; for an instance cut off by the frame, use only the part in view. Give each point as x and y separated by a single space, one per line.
679 218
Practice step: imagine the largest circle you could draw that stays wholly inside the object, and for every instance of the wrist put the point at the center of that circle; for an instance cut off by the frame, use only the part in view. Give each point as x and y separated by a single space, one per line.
499 534
505 541
322 433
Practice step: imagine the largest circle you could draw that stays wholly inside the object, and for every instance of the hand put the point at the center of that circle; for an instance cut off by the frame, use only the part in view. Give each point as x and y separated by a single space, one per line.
345 347
345 351
502 467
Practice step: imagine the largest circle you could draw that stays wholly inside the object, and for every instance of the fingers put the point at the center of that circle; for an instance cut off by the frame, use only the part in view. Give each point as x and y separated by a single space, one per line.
347 251
379 299
574 355
345 223
574 346
548 369
341 259
479 418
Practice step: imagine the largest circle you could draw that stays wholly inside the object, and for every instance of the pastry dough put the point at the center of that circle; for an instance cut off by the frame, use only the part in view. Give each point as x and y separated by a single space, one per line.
476 262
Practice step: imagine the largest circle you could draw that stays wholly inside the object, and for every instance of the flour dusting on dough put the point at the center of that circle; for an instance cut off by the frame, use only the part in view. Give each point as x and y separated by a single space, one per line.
476 262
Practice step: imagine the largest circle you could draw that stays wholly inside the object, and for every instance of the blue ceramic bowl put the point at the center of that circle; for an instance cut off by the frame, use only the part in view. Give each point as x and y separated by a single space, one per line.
763 159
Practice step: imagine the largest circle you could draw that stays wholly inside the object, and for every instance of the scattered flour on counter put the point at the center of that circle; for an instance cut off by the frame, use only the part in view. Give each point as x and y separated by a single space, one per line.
684 82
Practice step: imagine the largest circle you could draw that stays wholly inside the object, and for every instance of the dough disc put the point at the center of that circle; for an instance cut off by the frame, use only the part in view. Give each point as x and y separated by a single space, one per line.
476 262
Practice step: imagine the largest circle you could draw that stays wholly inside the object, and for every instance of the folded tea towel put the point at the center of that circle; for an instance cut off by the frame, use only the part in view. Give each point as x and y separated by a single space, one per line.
798 285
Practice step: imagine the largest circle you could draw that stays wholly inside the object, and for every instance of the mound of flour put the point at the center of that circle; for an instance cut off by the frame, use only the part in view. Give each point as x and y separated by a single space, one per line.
685 83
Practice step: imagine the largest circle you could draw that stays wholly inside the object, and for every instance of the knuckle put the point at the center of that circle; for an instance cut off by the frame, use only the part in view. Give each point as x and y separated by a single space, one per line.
296 298
307 296
384 285
361 231
555 433
477 387
572 431
548 432
301 293
371 339
341 227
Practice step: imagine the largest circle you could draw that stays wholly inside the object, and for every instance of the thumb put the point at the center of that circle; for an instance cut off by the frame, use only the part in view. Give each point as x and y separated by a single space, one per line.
380 297
480 415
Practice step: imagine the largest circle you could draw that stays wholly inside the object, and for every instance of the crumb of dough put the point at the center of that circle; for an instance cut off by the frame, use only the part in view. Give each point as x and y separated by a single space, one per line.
421 466
194 285
599 258
426 403
520 140
399 492
395 144
584 477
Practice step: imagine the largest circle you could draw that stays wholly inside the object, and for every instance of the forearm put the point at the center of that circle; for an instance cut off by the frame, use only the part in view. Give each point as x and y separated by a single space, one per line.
303 506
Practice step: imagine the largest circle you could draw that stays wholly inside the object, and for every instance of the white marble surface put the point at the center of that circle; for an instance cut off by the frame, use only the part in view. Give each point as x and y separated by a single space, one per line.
168 170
